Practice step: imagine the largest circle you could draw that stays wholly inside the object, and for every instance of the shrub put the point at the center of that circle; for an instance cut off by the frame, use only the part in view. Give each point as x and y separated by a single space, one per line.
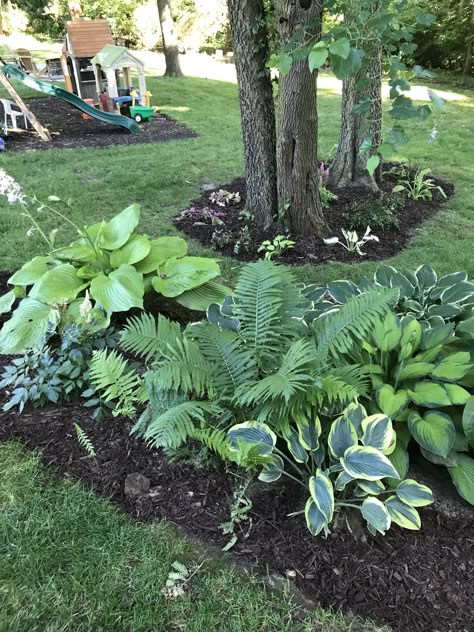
379 213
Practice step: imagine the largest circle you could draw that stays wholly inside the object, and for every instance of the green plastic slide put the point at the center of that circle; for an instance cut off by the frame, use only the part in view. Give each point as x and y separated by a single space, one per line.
53 91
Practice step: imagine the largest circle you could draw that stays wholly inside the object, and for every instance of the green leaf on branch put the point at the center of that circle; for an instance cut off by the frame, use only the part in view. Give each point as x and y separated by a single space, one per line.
318 56
372 163
340 47
348 67
284 63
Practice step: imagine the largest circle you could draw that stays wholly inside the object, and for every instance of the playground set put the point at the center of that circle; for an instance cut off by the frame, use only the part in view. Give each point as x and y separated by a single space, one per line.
97 76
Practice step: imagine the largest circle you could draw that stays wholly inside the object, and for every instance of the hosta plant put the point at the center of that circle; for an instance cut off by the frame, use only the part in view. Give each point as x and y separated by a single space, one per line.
115 266
420 383
423 295
340 463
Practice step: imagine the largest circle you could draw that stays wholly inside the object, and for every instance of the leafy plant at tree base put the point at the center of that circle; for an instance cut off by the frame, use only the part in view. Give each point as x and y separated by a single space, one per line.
239 515
379 213
327 196
340 463
276 247
116 267
354 243
224 198
417 186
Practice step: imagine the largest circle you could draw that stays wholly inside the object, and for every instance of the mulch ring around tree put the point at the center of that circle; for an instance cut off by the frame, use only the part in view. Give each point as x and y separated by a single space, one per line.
70 131
224 232
413 581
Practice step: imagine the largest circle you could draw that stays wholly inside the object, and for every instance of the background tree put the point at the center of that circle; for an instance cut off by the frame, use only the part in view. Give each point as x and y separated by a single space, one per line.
250 43
170 42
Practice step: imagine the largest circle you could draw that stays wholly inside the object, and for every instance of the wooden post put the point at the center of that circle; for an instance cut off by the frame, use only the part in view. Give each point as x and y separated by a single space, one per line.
44 134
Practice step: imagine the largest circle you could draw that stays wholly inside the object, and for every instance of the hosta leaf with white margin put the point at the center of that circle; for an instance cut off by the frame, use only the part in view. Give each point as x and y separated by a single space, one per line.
341 436
322 493
272 470
161 250
387 332
356 414
342 290
429 395
462 475
342 480
426 277
377 432
309 431
6 302
367 463
429 355
116 233
434 432
458 293
295 448
453 367
376 514
402 514
414 494
58 285
435 336
31 272
457 394
391 403
411 334
252 436
121 290
315 519
371 487
414 369
135 250
28 325
468 421
200 298
176 276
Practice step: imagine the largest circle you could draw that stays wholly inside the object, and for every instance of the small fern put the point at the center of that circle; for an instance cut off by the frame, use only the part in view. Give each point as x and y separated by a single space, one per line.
84 440
146 337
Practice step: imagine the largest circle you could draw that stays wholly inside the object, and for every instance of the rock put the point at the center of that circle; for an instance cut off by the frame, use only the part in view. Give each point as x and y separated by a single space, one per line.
136 485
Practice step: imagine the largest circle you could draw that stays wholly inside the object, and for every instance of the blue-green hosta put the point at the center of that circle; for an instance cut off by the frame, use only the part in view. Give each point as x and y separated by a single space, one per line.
424 386
423 295
343 463
113 266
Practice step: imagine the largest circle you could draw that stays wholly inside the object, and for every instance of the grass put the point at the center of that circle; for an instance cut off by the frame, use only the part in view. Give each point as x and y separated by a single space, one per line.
164 178
69 561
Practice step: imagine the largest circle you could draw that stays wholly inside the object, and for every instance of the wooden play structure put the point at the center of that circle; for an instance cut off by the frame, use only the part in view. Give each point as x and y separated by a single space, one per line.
116 63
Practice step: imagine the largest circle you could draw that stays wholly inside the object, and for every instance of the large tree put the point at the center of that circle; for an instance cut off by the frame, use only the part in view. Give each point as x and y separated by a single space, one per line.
170 42
250 45
297 161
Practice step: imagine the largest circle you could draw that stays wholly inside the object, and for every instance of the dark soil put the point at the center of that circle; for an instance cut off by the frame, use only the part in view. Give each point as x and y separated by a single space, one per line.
413 581
70 131
308 249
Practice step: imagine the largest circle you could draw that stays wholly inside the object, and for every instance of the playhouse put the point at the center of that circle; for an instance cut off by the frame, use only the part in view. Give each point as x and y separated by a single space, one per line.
117 63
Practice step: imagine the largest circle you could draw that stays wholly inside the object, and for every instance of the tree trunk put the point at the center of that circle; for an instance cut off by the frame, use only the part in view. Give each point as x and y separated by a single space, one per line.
170 43
257 112
298 172
467 71
349 166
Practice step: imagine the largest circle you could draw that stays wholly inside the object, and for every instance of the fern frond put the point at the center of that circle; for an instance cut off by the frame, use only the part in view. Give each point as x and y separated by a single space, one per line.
231 366
215 440
336 392
146 337
174 426
84 440
336 332
117 382
353 375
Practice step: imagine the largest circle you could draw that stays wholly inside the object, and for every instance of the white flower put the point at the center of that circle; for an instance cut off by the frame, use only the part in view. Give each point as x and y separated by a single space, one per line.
10 188
433 135
30 232
86 306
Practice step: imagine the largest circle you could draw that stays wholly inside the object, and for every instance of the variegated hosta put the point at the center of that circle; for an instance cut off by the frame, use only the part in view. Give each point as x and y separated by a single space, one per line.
423 295
423 384
344 464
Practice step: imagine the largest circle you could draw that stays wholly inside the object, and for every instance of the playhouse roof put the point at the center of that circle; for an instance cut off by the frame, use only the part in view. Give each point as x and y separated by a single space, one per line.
86 37
116 56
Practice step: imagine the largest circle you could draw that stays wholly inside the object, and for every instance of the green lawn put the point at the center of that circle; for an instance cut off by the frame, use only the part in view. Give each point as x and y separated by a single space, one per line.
71 562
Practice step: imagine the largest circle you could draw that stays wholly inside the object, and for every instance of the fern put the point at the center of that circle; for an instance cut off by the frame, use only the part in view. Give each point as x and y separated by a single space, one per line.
84 440
215 440
147 337
336 332
112 376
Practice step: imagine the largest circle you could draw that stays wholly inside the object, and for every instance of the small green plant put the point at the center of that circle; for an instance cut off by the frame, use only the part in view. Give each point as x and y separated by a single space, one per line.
84 440
274 249
221 238
239 515
354 243
417 186
178 579
379 213
244 241
327 196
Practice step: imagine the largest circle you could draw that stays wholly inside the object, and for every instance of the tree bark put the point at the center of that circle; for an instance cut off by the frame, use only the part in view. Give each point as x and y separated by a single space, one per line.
467 70
298 172
170 42
257 112
349 167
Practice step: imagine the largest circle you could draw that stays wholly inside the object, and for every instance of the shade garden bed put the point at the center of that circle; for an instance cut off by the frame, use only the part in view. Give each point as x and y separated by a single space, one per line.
410 215
70 131
417 581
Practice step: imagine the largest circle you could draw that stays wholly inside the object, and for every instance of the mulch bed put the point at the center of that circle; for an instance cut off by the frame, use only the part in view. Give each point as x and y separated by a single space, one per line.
309 249
413 581
70 131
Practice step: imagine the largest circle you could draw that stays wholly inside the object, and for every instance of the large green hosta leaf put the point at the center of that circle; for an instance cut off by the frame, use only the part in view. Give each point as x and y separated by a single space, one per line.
161 250
120 291
6 302
391 403
27 326
468 421
200 298
135 250
116 233
180 275
434 432
31 272
58 285
80 251
463 476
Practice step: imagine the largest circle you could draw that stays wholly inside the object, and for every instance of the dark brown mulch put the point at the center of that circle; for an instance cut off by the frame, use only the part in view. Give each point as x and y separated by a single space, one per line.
309 249
413 581
70 131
